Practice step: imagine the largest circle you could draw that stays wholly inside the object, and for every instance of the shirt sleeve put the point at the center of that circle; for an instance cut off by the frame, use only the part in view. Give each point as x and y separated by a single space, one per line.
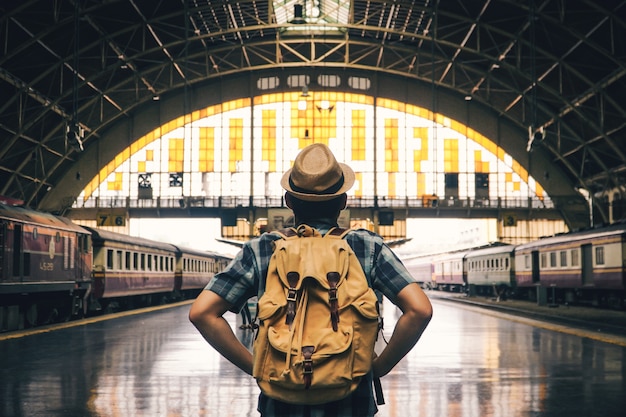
390 274
241 279
237 281
384 269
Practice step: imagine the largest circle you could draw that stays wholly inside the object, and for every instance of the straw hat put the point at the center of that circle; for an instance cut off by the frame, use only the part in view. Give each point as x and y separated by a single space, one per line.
316 175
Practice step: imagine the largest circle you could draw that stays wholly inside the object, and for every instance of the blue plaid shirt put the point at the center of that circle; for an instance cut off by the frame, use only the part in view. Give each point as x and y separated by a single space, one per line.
245 278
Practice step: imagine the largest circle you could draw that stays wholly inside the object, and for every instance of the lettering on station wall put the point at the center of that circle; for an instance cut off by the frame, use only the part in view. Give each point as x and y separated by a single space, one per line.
111 219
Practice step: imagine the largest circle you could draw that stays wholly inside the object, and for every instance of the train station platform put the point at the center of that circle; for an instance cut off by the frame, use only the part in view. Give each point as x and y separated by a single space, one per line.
471 362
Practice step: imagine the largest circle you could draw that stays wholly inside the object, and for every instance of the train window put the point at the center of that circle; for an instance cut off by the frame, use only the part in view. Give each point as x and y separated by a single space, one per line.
574 255
143 261
506 264
135 260
526 261
161 264
127 255
57 237
85 243
552 259
66 253
563 256
72 253
149 262
35 233
600 255
118 260
544 260
109 258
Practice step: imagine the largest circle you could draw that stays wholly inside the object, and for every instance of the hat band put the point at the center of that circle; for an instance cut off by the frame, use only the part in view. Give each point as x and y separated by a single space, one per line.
330 190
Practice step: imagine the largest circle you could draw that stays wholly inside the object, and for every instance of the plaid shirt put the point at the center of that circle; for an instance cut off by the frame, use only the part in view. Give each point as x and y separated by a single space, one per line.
245 278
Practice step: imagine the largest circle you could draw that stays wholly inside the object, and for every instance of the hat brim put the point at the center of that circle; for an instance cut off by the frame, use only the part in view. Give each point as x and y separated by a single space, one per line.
348 182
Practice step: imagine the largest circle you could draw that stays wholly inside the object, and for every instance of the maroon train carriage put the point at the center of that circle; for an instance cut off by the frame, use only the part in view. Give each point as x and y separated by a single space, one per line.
45 267
195 268
130 271
581 267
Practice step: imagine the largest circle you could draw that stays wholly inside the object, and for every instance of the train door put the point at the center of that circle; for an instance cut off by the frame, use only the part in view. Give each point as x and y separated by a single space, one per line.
587 265
18 251
81 251
535 266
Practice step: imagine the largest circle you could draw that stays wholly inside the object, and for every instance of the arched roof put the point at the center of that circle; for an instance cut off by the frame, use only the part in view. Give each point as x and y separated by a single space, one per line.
549 66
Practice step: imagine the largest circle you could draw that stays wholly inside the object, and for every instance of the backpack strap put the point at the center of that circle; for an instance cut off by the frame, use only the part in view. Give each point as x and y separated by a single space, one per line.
338 232
286 233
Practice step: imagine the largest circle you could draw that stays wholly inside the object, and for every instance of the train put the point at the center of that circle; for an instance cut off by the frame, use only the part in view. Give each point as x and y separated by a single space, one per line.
53 270
586 267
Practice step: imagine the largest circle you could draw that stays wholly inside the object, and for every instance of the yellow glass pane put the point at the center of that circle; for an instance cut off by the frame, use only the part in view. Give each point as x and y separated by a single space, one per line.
539 190
391 184
358 191
235 143
421 184
206 159
268 139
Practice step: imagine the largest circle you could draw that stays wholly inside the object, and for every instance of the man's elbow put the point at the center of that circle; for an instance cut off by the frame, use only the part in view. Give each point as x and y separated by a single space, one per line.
425 313
420 316
416 306
195 314
201 307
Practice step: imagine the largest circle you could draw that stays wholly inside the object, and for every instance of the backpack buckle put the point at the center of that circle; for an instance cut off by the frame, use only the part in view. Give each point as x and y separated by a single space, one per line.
333 280
307 365
292 296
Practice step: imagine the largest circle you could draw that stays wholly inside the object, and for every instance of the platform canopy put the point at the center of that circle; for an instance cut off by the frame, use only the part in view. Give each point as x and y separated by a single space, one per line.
552 74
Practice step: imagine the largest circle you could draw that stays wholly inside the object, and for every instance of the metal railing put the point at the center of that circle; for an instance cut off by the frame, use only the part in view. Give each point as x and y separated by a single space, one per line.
429 202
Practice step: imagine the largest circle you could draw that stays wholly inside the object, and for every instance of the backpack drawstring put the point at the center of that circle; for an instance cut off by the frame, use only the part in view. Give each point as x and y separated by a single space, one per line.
300 315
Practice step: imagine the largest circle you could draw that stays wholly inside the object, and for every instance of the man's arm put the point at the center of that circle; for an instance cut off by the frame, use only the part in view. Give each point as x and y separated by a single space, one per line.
206 314
416 314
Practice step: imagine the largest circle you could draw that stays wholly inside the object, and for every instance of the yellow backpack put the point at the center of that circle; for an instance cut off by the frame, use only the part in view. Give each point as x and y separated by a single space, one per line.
318 319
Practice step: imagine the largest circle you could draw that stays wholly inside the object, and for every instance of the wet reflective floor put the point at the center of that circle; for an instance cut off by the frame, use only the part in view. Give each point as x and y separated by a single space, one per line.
468 364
